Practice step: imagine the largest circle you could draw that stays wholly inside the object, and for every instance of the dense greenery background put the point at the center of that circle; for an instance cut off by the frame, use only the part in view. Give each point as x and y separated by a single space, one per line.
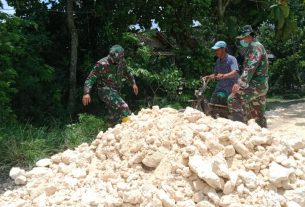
35 60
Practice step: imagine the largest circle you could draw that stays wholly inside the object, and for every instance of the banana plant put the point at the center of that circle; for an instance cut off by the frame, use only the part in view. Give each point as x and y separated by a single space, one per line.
285 24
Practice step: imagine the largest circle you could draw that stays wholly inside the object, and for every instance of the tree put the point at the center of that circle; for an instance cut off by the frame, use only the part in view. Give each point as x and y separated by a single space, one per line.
221 8
284 20
73 59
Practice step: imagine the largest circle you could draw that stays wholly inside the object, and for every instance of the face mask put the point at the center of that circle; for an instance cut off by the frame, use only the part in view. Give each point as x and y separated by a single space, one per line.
243 43
116 57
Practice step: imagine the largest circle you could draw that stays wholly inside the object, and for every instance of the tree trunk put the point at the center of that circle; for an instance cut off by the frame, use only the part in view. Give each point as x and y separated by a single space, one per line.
221 8
73 60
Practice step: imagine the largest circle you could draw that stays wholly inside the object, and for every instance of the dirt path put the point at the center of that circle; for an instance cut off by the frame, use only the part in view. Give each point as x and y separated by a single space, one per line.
287 119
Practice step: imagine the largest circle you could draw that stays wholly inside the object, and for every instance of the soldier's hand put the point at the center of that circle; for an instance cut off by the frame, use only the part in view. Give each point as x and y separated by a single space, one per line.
86 99
235 88
135 89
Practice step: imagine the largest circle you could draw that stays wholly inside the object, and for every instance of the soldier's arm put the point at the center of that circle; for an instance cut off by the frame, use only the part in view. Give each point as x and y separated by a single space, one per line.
251 63
91 79
129 76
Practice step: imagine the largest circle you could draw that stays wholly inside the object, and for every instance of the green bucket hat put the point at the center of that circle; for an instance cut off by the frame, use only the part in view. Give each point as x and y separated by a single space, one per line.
245 31
116 49
116 53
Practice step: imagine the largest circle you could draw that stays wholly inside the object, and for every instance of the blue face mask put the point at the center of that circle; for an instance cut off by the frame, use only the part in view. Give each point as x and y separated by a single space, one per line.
243 43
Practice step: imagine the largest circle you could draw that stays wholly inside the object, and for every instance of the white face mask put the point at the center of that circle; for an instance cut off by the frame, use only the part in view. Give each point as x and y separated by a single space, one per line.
243 43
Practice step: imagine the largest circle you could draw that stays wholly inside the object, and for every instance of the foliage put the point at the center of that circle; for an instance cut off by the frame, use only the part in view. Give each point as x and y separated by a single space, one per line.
287 68
84 131
284 20
7 72
28 88
23 144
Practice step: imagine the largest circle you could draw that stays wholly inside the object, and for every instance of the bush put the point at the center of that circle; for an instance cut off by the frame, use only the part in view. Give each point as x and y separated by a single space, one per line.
84 131
22 144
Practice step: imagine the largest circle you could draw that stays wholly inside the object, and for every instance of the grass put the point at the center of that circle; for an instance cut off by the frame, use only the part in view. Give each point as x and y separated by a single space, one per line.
23 144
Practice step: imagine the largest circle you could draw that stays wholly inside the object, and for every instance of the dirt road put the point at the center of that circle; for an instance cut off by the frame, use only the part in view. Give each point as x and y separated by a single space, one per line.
287 120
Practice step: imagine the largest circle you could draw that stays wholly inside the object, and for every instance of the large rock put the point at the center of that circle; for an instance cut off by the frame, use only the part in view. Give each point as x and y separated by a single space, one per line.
278 173
296 195
203 168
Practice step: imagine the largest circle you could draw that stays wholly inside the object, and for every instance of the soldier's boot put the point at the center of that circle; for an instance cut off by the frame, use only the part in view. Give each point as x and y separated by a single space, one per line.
125 119
262 122
238 117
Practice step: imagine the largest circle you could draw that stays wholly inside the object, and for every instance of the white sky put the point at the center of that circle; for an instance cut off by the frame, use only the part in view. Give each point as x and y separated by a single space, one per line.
10 10
7 9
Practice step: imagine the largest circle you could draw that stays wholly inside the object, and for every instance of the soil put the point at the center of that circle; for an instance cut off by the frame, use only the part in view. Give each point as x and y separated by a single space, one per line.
286 119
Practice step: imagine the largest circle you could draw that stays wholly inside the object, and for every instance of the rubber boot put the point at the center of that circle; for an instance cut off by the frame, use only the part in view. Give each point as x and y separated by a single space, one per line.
262 122
238 117
125 119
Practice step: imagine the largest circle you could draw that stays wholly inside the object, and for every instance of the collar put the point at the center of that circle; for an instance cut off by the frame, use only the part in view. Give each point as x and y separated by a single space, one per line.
224 58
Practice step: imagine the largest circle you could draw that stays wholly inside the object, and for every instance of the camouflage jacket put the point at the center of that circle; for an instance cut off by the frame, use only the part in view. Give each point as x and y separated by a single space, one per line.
108 74
255 67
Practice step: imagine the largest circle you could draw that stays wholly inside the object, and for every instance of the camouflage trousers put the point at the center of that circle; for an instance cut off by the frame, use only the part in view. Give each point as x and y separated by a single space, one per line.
247 104
116 106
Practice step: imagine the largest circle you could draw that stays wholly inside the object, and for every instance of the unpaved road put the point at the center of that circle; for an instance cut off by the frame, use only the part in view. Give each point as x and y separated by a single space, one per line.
287 120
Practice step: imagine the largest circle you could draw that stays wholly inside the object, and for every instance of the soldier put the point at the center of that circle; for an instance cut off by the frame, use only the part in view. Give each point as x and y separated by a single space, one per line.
109 73
248 96
225 71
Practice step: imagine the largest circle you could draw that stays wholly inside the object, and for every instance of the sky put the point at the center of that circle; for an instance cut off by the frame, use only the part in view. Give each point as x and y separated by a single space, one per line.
7 9
10 10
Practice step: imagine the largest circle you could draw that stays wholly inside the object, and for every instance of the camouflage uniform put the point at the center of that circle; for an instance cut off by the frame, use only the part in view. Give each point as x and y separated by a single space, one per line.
250 100
110 77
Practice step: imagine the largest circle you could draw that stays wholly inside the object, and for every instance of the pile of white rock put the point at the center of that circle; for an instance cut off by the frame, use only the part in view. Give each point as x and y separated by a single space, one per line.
163 157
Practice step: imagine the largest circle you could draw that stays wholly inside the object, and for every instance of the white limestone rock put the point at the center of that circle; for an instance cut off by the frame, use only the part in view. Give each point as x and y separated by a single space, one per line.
69 156
241 149
296 195
278 173
16 172
228 200
203 169
133 196
20 180
205 204
292 204
153 160
228 188
44 162
229 151
165 199
296 143
220 166
249 179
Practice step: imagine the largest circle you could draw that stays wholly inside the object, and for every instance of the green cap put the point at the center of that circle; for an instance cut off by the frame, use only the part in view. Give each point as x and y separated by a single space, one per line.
116 49
245 31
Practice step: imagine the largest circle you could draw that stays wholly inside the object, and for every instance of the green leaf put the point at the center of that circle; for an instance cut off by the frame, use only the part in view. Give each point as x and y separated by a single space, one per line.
276 12
285 10
280 22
